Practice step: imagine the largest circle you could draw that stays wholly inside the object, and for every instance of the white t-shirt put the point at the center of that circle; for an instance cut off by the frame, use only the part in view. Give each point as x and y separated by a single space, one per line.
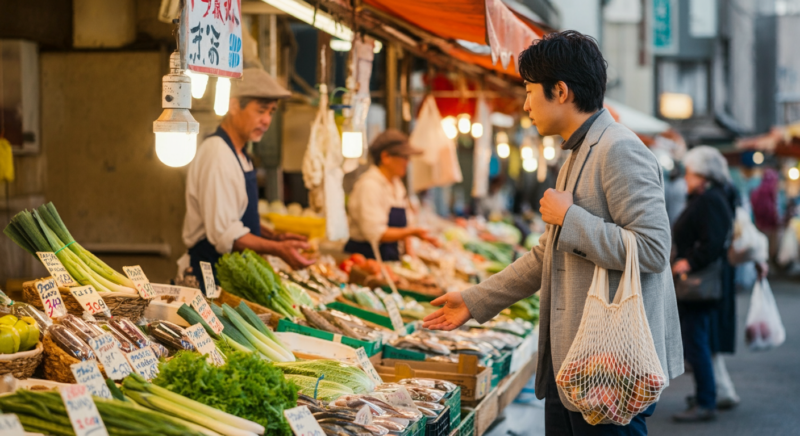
369 205
216 196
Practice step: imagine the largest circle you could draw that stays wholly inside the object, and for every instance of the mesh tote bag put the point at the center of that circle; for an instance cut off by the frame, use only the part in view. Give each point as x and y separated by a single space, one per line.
612 372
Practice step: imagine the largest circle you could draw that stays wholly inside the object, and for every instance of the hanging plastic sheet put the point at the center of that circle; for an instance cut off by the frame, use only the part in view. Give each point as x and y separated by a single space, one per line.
438 166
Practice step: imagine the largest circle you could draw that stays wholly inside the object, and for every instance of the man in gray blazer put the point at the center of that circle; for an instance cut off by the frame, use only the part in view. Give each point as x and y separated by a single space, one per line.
611 181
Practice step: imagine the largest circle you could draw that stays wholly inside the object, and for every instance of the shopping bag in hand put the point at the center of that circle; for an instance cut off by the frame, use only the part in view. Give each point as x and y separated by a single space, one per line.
764 327
612 372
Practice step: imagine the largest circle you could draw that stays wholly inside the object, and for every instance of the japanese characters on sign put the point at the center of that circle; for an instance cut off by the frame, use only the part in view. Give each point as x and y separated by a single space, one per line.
366 365
213 39
303 422
107 350
212 290
82 411
56 269
144 362
10 425
90 300
204 344
88 374
394 314
51 298
201 306
138 278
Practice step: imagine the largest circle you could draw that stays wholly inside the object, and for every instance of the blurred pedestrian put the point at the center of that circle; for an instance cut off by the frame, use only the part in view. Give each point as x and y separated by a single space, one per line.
701 236
765 208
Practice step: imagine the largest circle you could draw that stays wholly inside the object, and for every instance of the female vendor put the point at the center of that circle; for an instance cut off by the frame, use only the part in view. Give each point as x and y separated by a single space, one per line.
378 205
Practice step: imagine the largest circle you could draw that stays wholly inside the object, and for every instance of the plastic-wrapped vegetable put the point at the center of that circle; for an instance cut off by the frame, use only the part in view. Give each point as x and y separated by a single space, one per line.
122 341
129 329
70 342
23 309
159 350
169 334
80 327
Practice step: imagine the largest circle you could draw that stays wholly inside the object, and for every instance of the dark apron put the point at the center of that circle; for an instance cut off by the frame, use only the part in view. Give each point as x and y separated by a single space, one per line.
389 250
204 251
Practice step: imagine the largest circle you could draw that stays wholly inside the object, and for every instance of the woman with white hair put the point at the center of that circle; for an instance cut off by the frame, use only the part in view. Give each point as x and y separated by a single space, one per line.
701 236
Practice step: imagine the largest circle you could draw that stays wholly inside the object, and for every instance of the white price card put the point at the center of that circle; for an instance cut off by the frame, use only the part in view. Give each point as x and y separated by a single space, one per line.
51 298
82 411
400 398
394 315
56 269
10 425
144 362
364 416
203 343
303 422
88 374
138 278
90 300
108 353
212 290
366 365
201 306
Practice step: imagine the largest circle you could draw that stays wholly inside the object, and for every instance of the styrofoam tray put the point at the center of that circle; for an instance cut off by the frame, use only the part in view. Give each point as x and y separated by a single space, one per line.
318 347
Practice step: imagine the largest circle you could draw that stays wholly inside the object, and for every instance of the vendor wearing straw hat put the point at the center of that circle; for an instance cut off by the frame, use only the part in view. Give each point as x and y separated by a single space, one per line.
221 188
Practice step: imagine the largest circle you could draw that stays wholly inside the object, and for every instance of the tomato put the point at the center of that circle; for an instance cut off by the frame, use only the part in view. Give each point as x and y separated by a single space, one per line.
358 259
346 265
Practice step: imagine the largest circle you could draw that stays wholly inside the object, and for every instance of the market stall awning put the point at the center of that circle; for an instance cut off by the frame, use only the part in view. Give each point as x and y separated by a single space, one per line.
478 21
636 120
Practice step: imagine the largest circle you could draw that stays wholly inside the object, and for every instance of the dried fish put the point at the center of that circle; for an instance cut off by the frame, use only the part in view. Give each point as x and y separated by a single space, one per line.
317 321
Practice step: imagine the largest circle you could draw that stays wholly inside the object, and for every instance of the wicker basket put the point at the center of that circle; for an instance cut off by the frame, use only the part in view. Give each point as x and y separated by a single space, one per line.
57 362
22 364
131 306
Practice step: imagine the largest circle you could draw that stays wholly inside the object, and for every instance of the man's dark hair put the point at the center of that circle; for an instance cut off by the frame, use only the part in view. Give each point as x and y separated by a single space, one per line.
244 101
570 57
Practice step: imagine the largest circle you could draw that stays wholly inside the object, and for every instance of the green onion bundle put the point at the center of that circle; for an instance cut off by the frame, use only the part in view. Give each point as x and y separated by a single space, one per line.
43 230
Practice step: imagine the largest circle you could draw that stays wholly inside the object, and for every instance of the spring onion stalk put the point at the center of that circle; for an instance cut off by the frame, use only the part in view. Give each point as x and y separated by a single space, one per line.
236 345
151 395
272 351
270 339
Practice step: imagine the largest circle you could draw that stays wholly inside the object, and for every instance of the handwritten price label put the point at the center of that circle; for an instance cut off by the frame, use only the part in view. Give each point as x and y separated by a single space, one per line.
51 298
107 350
10 425
400 398
366 365
82 411
364 416
394 314
212 291
302 422
204 344
138 278
90 300
144 362
201 306
56 269
88 374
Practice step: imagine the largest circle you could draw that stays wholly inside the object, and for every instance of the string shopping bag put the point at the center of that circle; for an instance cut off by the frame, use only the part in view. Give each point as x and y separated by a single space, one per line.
612 372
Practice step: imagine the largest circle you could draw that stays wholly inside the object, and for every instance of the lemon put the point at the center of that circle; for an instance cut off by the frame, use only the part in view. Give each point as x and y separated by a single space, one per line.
9 339
9 320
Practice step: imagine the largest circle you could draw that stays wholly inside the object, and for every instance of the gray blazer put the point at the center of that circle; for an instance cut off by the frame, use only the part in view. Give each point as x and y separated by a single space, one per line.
616 183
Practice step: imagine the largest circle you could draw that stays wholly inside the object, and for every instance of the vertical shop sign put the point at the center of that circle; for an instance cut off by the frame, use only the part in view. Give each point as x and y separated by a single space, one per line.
213 37
664 26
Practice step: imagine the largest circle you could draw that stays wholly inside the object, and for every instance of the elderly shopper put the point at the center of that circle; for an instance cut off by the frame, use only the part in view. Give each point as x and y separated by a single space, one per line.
701 236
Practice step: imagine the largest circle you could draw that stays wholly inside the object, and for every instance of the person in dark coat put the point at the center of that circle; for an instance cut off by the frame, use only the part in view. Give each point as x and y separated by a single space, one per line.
701 235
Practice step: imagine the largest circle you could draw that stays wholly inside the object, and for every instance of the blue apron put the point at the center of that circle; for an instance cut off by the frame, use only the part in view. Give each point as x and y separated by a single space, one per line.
389 250
204 251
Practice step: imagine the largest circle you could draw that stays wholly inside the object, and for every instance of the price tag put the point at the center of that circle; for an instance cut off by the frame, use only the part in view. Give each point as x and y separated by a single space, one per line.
88 374
56 269
108 353
212 290
144 362
10 425
201 306
82 412
204 345
166 290
364 416
138 278
302 422
400 398
51 298
366 365
90 300
394 315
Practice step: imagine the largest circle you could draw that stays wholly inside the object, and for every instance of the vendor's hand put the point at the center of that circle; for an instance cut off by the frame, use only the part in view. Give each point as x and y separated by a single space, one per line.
681 267
452 316
762 268
554 206
292 237
289 251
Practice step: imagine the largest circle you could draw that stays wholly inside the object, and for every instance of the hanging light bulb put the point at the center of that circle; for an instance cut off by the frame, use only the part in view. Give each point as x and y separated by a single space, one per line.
175 129
549 147
503 150
352 144
530 165
222 96
794 173
477 130
449 126
525 122
758 158
463 123
199 83
526 152
501 137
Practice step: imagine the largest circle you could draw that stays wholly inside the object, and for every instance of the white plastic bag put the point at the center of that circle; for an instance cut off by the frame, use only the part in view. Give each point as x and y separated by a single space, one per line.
749 245
764 326
612 372
438 165
788 250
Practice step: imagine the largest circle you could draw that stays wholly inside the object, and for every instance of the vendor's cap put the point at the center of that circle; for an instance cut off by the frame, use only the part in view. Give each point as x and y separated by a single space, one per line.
258 83
394 142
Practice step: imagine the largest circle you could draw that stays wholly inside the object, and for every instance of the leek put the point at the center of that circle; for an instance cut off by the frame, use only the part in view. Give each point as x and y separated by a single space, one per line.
262 343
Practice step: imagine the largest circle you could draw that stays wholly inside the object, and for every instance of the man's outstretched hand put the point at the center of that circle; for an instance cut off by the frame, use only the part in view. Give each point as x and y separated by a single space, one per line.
452 316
